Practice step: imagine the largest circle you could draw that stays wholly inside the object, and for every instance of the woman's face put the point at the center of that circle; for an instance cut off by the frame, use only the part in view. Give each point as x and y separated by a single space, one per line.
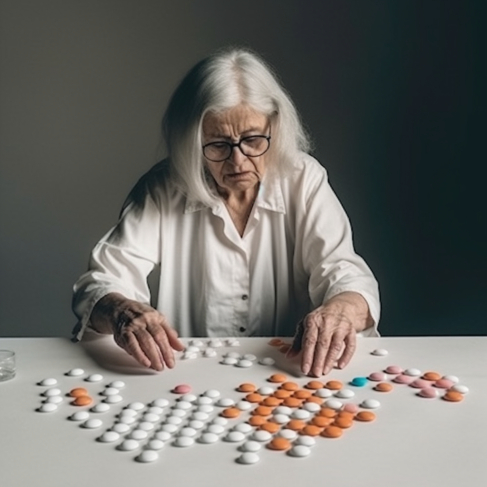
238 173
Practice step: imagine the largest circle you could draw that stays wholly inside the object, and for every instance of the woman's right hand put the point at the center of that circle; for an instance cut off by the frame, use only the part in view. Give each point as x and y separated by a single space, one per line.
139 329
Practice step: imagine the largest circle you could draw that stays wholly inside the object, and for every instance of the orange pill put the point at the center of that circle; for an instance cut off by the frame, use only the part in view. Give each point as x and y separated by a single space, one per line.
311 430
262 411
314 385
302 394
257 420
289 386
334 385
247 387
343 422
296 424
345 415
277 378
285 347
270 427
275 342
292 402
315 399
253 397
332 432
453 396
231 413
321 421
365 416
279 443
327 412
383 387
78 391
431 376
82 401
282 393
271 401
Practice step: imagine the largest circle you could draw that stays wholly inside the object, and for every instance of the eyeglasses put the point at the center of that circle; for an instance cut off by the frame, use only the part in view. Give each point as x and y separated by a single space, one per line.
252 146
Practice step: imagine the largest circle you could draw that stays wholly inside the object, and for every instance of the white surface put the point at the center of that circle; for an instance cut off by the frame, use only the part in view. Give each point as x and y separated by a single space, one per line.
442 441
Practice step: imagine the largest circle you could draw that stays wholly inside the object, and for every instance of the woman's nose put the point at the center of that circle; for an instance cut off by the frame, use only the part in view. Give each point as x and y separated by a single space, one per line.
237 156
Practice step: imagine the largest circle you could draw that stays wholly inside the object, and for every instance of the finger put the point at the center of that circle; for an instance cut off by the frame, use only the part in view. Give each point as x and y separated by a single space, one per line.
310 337
160 336
130 344
350 347
321 351
334 351
174 340
297 341
150 349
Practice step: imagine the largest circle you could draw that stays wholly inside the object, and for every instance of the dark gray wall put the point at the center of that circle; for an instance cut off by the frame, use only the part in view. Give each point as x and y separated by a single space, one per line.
392 92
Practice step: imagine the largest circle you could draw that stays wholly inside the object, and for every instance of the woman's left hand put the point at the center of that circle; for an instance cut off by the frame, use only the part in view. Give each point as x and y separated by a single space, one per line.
327 335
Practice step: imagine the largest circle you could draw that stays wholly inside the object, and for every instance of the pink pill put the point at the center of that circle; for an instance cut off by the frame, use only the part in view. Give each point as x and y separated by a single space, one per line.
428 393
393 369
377 376
182 389
350 408
420 384
443 383
403 379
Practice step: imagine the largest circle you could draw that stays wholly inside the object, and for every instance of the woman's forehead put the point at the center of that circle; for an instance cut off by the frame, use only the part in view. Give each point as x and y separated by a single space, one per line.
236 120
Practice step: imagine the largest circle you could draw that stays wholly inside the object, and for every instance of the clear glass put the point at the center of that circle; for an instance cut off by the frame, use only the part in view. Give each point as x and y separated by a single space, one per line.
252 146
7 365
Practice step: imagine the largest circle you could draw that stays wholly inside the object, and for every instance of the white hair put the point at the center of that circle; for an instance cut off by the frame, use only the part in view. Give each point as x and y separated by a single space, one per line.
217 83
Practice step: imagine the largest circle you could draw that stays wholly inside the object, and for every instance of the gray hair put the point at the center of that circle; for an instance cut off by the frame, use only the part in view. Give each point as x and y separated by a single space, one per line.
217 83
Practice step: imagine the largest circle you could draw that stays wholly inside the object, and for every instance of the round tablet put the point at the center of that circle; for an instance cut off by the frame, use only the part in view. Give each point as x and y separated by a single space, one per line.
302 394
350 408
311 407
180 413
229 361
343 422
120 428
328 412
185 405
299 451
453 378
75 372
48 382
277 378
232 342
146 426
94 378
189 355
197 425
234 436
271 401
82 401
100 408
301 414
92 423
305 440
155 410
211 393
267 361
215 343
169 428
459 388
231 413
162 435
252 446
243 405
246 387
243 428
183 441
287 433
209 352
176 420
323 393
136 406
200 416
393 369
365 416
160 403
283 410
334 385
249 356
192 349
403 379
370 404
248 458
420 384
117 384
453 396
54 399
182 389
187 431
380 352
225 402
220 421
432 376
127 419
383 387
208 438
444 384
47 407
359 381
282 418
332 432
205 408
129 445
109 437
377 376
216 429
197 343
52 392
321 421
155 444
279 443
412 372
261 435
113 399
266 390
345 394
428 393
110 391
333 404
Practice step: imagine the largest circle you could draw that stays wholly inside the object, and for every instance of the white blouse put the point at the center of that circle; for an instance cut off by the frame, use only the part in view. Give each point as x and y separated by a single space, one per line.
295 254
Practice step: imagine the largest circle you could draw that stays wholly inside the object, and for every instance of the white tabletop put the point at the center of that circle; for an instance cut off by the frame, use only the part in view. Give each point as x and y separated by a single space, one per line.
413 441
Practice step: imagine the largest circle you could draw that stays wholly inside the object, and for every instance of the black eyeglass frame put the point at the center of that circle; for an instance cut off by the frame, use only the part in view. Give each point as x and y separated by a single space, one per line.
238 144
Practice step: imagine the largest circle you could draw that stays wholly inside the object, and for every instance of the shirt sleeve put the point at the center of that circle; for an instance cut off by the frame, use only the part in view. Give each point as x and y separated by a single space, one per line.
122 260
327 248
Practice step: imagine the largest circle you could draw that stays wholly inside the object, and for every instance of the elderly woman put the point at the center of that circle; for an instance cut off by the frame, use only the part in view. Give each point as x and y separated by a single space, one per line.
242 227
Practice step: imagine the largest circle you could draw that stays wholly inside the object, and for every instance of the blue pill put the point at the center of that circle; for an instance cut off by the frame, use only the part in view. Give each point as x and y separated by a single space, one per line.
359 381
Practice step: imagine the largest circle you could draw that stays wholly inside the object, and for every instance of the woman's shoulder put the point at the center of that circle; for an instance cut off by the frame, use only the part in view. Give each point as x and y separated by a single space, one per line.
306 172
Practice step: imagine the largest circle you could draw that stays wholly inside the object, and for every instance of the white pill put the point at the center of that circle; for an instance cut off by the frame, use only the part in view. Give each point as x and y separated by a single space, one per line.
380 352
204 401
92 423
261 435
217 429
209 352
188 398
120 428
459 388
312 407
234 436
113 399
288 434
334 404
233 355
169 428
412 372
281 418
183 441
370 404
54 400
323 393
215 343
250 356
146 426
138 435
187 431
47 407
128 412
252 446
109 437
100 408
80 416
160 403
212 393
94 378
299 451
197 343
301 414
248 458
229 361
189 356
243 427
232 342
192 349
52 392
48 382
155 444
267 361
452 378
136 406
180 413
345 393
305 440
225 402
197 425
110 391
283 410
266 390
155 410
150 417
176 420
200 416
244 405
75 372
162 435
127 419
208 438
205 408
118 384
129 445
183 405
244 363
219 420
147 456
